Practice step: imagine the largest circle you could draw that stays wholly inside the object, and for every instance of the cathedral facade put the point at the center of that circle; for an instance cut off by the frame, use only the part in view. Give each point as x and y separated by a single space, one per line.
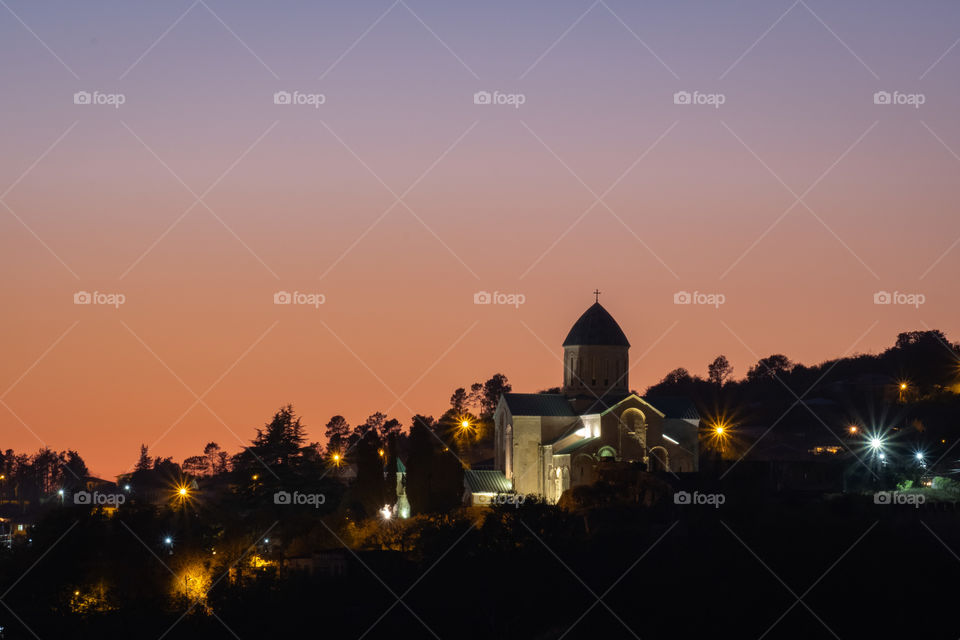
548 442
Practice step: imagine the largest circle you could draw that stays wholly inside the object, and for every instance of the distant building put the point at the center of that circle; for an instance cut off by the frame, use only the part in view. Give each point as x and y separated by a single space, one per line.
483 487
548 442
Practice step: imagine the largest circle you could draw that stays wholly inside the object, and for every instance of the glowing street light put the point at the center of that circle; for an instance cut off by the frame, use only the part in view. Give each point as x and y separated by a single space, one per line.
853 429
464 426
876 443
181 493
168 541
381 452
336 457
386 513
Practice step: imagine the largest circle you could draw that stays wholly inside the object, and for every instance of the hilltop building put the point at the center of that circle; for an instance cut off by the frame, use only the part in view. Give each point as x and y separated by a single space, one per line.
548 442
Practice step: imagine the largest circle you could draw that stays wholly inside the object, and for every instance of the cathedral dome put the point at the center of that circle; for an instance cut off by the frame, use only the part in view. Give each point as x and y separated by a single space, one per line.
596 327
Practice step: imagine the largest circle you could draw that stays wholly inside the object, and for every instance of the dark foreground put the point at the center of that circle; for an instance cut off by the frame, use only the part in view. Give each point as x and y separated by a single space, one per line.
843 568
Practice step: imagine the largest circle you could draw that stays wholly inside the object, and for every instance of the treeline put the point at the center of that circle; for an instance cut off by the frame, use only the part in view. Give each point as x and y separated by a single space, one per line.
916 379
29 479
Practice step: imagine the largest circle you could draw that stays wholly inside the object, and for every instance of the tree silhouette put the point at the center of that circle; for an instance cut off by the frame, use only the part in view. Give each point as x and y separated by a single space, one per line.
144 462
719 371
492 390
770 367
337 433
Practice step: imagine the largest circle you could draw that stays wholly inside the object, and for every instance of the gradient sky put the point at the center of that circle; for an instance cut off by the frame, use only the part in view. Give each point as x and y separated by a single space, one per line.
297 198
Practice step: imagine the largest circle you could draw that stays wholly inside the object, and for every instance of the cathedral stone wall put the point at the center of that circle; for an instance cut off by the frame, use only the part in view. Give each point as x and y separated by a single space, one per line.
526 454
684 457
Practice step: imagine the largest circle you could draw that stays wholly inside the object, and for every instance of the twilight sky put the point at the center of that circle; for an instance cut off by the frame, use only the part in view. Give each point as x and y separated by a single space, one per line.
398 198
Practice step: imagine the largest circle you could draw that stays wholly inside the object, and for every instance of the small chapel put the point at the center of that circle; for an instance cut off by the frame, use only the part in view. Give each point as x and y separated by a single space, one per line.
546 443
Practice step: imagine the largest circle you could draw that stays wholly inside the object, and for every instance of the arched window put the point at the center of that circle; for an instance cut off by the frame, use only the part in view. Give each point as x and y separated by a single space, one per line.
635 423
659 460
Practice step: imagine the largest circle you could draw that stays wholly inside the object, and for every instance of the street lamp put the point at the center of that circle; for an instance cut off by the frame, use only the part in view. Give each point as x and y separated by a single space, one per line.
464 426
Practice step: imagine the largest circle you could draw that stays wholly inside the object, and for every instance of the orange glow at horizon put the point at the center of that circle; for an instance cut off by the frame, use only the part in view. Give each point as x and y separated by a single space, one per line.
338 258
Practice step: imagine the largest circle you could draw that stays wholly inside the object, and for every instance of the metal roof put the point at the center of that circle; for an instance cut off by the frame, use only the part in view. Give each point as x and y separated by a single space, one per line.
675 407
575 446
482 481
538 404
596 327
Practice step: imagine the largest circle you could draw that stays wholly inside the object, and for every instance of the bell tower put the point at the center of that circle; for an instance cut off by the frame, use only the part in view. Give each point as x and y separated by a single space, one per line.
596 357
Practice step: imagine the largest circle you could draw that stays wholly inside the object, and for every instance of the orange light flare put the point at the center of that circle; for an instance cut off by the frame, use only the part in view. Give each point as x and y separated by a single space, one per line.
465 427
719 434
183 493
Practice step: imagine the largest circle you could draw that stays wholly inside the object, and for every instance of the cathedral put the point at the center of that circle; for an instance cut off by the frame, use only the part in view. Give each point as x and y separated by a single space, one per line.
548 442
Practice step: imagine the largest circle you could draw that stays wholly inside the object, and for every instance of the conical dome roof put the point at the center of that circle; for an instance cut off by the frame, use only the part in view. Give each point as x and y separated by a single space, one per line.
596 327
